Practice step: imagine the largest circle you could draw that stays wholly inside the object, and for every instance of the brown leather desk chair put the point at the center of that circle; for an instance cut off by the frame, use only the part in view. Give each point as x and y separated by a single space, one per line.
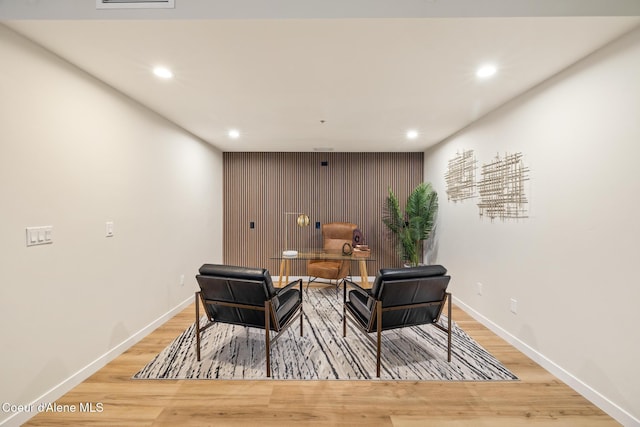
334 236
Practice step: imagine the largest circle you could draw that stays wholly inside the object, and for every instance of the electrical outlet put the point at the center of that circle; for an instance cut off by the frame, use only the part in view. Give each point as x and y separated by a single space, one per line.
514 306
479 288
182 280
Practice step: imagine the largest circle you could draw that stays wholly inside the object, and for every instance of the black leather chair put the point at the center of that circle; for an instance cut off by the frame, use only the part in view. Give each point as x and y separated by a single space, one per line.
399 297
246 296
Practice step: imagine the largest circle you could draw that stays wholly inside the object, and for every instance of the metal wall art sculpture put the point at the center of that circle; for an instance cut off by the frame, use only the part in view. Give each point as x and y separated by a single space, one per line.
461 176
501 188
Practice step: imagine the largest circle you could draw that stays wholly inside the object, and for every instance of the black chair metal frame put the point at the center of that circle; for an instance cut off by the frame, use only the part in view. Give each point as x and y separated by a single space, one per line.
271 322
375 321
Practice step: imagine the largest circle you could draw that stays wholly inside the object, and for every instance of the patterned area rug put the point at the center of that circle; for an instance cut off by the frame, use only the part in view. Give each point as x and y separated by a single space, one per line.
236 352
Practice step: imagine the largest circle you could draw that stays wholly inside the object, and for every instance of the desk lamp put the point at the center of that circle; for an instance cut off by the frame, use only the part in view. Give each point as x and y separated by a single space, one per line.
302 221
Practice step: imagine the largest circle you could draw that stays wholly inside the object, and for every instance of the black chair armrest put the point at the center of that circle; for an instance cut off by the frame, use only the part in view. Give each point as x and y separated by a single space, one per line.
289 286
356 287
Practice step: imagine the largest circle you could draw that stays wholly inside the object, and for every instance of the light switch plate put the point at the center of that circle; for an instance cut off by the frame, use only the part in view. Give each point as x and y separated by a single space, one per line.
39 235
109 229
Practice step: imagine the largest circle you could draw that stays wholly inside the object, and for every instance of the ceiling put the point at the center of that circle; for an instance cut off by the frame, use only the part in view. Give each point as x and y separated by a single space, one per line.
343 84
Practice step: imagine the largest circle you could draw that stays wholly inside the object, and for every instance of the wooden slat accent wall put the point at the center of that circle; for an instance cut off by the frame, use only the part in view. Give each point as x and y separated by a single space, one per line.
260 187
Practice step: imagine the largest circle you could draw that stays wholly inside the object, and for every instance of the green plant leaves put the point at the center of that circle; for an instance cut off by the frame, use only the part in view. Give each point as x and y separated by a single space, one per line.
415 224
392 215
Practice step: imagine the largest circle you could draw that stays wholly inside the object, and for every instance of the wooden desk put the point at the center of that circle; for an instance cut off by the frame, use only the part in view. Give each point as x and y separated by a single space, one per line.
360 257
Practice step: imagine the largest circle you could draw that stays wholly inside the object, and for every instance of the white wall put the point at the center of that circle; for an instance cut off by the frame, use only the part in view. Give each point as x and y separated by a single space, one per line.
75 154
572 266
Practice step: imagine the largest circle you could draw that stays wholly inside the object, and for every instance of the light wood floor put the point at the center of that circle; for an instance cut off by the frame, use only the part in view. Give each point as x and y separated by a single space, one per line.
537 399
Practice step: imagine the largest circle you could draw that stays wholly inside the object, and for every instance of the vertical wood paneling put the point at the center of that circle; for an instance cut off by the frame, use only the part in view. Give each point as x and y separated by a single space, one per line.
260 187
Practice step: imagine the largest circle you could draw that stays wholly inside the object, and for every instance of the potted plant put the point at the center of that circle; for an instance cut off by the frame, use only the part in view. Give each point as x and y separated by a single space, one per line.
412 227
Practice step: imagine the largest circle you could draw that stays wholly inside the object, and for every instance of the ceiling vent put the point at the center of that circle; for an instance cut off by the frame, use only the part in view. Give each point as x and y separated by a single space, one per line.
135 4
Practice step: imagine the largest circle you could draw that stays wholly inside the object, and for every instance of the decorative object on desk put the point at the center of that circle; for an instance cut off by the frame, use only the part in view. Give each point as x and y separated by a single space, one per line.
302 221
362 251
409 229
358 238
233 352
347 249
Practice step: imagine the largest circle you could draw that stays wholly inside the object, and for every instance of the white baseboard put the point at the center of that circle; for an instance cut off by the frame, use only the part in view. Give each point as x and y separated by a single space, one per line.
59 390
615 411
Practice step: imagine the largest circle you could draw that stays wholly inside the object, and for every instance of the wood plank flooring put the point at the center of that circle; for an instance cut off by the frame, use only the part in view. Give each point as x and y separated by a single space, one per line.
538 399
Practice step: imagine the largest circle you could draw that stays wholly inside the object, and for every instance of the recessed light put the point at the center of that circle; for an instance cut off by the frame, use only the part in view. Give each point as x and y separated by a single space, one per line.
486 71
163 72
412 134
234 133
